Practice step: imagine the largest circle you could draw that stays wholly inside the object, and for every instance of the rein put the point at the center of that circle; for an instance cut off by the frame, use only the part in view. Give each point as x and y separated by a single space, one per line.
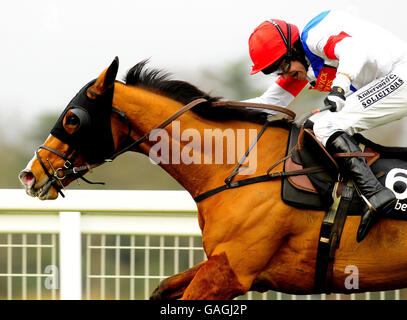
245 105
57 175
162 125
55 178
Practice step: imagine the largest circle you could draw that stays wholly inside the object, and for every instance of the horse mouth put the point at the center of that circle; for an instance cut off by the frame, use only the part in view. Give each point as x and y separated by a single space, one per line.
43 191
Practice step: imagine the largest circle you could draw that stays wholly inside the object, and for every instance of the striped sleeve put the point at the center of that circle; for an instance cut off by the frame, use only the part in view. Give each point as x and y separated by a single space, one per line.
329 48
281 93
291 85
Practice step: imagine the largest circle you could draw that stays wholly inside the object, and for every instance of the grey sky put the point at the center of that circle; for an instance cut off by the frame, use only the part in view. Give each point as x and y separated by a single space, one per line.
50 48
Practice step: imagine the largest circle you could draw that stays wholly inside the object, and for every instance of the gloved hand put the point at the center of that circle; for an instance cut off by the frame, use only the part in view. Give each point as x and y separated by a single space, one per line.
336 99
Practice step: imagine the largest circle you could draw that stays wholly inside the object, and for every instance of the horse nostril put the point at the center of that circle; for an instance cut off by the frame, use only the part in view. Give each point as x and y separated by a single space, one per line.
27 178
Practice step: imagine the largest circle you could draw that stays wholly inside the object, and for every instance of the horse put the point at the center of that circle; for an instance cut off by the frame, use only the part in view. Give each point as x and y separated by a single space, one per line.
252 239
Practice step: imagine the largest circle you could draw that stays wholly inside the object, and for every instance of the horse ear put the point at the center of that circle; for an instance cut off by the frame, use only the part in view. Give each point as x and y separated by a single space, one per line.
111 73
107 78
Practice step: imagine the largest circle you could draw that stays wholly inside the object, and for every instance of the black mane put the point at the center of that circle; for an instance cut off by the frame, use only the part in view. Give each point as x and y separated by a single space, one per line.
159 81
184 92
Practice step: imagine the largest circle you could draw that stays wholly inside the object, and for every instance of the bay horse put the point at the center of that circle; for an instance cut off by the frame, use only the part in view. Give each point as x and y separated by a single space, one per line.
252 239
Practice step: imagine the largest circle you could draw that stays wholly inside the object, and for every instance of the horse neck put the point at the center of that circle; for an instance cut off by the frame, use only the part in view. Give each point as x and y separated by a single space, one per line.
188 135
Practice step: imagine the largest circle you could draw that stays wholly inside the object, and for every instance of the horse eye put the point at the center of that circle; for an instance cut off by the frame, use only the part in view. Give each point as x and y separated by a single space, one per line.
72 120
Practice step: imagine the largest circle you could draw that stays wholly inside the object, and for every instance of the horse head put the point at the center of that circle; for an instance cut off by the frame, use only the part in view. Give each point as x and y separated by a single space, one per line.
82 138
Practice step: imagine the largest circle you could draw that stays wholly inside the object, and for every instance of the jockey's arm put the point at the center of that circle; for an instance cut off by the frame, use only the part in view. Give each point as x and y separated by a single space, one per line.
281 93
352 58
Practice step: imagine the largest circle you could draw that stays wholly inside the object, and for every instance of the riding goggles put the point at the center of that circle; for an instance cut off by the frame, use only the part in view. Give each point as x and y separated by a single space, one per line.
280 66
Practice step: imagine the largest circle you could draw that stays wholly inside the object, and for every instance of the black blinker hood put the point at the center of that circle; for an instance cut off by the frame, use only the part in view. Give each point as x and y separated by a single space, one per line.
93 140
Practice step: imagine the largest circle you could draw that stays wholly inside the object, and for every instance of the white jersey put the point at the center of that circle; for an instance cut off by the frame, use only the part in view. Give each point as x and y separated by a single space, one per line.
360 51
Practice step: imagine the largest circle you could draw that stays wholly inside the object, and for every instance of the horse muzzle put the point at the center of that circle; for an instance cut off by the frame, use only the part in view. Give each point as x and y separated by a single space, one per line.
43 192
27 178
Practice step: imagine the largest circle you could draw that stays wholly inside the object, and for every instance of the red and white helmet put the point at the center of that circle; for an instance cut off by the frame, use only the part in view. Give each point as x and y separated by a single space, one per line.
270 41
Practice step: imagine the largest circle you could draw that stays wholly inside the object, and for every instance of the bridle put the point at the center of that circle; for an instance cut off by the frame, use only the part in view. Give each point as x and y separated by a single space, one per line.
58 175
68 169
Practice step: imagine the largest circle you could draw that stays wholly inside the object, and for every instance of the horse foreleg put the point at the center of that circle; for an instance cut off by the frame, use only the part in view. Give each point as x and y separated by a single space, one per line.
173 287
215 280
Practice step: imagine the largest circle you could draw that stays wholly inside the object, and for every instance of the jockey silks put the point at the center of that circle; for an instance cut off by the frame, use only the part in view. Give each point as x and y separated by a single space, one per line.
325 79
361 52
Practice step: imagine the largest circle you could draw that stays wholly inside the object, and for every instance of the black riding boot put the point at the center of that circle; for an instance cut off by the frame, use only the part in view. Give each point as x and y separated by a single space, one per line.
380 198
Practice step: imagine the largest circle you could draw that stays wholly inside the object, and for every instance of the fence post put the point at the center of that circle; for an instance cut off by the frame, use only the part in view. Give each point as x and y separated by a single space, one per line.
70 256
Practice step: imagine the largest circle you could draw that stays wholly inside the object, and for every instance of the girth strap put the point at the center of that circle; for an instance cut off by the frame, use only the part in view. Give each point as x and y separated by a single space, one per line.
263 178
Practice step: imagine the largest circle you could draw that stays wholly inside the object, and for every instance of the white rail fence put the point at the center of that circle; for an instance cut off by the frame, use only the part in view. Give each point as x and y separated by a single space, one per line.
104 245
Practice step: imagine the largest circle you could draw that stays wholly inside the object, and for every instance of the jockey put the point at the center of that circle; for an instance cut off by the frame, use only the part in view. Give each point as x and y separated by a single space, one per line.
364 69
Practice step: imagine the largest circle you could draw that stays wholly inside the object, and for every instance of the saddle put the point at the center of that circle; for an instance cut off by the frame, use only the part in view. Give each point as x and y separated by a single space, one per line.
315 190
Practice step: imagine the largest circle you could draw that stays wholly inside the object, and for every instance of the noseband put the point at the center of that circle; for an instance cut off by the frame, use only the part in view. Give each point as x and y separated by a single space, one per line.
68 169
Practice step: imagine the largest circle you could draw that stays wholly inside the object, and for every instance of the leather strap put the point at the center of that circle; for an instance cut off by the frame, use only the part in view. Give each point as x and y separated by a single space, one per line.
263 178
194 103
354 154
235 171
237 104
329 238
160 126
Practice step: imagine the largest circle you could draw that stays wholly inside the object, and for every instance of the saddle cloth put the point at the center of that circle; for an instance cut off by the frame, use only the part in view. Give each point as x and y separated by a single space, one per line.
314 190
